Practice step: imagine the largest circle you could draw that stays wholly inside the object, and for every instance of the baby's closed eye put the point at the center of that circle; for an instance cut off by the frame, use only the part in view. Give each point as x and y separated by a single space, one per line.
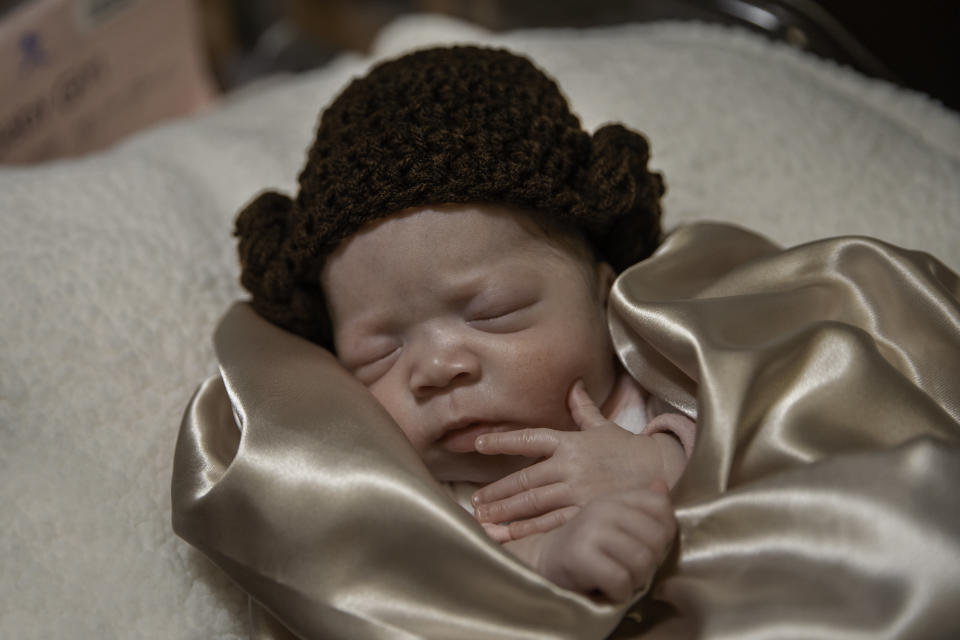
500 315
370 361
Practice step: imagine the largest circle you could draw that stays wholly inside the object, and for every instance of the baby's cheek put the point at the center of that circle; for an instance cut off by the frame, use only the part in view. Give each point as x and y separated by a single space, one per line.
589 358
388 398
544 374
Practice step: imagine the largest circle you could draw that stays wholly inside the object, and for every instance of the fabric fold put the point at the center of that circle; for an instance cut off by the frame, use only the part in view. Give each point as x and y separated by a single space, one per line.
820 500
322 512
821 497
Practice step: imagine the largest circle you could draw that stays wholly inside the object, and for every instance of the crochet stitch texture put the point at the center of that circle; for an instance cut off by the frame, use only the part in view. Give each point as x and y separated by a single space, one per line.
438 126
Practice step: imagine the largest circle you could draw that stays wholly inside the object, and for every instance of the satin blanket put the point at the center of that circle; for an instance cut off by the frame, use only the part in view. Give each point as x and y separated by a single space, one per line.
822 499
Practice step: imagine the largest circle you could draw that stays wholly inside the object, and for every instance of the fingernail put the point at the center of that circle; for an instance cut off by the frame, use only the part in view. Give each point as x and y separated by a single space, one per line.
475 499
480 442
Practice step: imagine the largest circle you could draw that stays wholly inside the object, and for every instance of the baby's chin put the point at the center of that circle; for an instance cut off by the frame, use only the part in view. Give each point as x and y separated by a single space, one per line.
475 467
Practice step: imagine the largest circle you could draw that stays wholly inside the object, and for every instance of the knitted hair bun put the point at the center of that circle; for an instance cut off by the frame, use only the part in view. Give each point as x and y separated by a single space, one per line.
272 268
262 229
622 187
440 126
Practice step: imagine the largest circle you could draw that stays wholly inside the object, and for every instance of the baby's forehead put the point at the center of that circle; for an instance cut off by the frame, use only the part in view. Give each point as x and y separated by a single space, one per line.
458 229
447 248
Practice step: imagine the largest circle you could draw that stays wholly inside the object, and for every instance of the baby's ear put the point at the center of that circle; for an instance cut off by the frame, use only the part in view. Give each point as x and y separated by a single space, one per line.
605 277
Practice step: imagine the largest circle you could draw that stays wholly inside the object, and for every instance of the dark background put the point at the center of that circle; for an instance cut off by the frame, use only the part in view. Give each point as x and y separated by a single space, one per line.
914 44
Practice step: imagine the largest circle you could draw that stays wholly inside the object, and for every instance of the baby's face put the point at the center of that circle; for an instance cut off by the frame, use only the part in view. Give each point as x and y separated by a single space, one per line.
462 321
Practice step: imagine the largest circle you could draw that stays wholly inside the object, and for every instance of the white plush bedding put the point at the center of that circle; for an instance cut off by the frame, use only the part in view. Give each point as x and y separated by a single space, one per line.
115 268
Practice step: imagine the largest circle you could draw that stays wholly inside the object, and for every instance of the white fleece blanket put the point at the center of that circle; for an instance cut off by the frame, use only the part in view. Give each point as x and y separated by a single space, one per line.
115 267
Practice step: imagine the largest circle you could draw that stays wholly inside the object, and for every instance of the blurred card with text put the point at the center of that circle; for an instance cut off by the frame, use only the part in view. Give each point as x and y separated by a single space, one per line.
78 75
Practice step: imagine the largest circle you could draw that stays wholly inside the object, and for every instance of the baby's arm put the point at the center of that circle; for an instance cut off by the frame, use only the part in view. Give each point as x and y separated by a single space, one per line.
578 467
611 547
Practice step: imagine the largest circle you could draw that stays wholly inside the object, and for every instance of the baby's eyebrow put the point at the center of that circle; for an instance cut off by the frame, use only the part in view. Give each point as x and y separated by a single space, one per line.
479 289
503 272
364 323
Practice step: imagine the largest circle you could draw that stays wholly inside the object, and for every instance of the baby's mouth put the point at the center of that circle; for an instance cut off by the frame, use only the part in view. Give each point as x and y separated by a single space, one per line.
462 439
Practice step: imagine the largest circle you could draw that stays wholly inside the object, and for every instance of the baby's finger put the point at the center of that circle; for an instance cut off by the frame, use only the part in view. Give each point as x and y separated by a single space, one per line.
606 575
646 533
532 443
635 558
542 524
499 532
654 503
538 475
527 504
583 410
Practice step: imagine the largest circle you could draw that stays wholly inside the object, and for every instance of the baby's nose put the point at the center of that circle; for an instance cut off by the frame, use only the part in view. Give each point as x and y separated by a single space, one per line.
442 363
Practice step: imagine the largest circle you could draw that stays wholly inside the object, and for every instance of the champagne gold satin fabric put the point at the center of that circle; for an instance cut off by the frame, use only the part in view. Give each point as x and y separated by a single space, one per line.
823 496
320 509
822 499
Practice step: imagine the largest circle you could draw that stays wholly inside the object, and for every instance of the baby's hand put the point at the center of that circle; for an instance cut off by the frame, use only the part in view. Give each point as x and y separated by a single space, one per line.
613 546
579 466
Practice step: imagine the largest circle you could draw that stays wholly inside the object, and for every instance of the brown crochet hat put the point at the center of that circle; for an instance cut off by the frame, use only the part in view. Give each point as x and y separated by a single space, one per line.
445 125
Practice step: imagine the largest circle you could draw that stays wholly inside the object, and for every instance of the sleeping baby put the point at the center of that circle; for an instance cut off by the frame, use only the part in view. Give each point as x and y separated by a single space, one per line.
453 242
